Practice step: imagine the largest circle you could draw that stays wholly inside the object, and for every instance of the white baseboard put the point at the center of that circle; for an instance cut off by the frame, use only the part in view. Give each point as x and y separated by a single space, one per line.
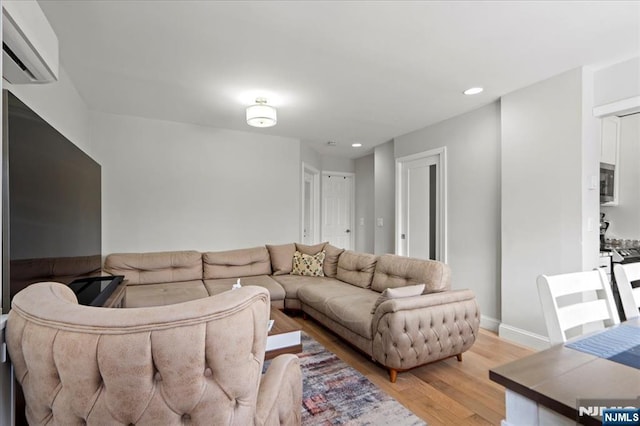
523 337
489 323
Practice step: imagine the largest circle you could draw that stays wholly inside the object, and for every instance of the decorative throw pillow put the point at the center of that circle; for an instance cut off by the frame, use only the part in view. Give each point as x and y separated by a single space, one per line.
398 292
306 264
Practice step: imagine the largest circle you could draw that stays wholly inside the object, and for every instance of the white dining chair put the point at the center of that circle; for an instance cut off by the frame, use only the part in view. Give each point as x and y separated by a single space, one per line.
630 297
578 299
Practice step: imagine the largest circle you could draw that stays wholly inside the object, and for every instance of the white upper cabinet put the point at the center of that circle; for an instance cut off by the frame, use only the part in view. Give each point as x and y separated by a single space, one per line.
610 137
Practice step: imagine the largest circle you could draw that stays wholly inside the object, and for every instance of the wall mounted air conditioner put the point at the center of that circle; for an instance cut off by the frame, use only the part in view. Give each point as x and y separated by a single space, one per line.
29 45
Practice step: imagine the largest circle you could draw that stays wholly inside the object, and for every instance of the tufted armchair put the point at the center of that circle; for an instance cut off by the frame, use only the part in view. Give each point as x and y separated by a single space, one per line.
198 362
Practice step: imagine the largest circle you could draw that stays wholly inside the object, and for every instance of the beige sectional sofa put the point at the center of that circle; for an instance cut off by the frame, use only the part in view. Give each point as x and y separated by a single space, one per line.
400 333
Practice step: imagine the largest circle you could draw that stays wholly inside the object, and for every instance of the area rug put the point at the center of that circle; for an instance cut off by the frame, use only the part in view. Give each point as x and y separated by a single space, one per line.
336 394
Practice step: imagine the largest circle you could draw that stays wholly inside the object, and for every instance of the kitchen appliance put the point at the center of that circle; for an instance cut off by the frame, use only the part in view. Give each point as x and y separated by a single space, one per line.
626 255
604 225
607 183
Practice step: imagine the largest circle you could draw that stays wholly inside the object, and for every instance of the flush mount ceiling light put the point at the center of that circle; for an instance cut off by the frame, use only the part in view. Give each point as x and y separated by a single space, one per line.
261 115
473 91
356 145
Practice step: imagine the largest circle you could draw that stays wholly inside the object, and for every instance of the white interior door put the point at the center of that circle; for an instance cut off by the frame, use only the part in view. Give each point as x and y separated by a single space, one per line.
419 208
338 209
417 214
307 231
310 220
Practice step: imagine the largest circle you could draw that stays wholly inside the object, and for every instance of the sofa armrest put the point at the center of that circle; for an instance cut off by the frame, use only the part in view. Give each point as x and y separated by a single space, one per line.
412 331
280 394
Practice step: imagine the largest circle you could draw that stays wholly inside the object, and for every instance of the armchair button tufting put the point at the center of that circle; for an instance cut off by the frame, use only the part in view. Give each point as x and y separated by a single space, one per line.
186 417
208 372
157 377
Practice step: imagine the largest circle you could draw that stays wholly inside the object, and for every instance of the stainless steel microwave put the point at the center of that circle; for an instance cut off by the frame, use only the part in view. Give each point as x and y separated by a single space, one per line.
607 182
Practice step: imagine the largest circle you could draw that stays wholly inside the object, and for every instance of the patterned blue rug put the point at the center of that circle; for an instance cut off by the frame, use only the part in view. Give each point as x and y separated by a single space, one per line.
336 394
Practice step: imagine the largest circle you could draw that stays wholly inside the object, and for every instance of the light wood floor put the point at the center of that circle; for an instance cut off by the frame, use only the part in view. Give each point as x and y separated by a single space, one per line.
446 392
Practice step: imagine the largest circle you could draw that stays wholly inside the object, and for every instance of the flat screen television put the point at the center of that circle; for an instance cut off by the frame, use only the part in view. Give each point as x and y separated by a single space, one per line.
51 204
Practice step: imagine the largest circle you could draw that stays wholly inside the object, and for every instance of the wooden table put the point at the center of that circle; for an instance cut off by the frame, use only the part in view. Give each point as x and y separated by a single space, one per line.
284 337
545 388
118 297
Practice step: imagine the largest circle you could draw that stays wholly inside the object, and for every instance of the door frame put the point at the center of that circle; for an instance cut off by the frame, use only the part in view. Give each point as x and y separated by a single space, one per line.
315 201
441 210
352 192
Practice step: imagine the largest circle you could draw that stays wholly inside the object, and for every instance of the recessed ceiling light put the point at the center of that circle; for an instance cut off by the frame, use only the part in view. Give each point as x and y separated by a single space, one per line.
473 91
356 145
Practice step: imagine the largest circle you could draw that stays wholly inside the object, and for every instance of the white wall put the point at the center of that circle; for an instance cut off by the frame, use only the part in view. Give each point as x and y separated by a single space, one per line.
625 217
617 82
541 197
174 186
336 164
385 190
364 237
473 164
327 163
310 157
590 174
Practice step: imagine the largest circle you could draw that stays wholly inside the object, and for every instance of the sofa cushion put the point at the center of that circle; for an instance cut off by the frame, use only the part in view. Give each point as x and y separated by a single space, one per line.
220 285
308 265
348 305
332 254
236 263
356 268
314 249
398 271
281 258
293 283
154 268
140 296
395 293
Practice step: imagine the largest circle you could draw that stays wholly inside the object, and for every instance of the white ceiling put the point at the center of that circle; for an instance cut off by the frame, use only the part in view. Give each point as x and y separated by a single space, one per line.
359 71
